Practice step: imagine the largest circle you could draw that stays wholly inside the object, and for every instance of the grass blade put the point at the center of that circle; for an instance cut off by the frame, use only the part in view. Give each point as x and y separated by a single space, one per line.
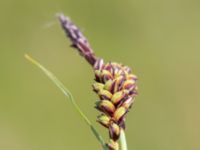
68 94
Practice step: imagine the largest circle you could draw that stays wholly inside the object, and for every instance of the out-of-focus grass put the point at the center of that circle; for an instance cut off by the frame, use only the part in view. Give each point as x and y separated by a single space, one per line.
158 39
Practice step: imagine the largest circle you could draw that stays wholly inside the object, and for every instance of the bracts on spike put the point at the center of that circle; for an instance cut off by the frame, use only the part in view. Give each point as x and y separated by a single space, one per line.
114 84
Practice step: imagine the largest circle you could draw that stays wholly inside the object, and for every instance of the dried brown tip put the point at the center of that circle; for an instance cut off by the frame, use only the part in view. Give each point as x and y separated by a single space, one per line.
78 40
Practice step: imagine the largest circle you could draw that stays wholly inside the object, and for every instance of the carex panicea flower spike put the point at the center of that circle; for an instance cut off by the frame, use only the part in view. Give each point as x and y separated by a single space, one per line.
114 84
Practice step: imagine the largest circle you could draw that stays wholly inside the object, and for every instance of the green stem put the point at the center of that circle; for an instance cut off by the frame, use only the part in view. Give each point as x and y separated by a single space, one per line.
123 140
68 94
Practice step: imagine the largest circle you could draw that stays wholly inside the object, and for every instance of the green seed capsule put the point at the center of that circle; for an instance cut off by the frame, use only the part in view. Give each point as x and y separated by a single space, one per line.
104 120
129 84
98 73
131 77
118 81
114 131
104 94
108 85
106 106
117 97
112 145
119 113
98 86
106 75
127 104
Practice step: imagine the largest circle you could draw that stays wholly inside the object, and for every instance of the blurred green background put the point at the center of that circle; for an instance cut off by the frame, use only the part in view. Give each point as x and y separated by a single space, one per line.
159 39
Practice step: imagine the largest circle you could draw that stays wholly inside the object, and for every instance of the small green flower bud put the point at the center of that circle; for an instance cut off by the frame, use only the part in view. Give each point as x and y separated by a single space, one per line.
129 84
108 85
131 77
112 145
104 94
114 131
127 104
98 73
106 106
98 86
103 120
118 73
117 97
118 81
106 75
119 113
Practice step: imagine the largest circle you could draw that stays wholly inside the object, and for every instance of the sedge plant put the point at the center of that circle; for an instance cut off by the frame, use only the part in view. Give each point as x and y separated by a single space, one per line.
115 85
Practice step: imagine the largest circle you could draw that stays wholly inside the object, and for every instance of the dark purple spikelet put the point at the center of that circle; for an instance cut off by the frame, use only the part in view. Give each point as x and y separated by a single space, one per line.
78 39
114 84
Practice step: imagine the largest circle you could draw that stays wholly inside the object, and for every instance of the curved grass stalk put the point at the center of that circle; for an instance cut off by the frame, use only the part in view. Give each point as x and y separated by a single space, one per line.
69 95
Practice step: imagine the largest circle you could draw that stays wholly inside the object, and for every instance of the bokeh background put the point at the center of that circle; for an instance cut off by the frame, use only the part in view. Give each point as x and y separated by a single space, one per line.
159 39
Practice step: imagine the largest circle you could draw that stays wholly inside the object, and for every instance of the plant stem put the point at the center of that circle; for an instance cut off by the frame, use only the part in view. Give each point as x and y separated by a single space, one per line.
123 140
68 94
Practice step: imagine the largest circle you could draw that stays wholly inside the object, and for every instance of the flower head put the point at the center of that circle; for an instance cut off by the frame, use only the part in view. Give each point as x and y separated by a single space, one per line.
116 87
114 84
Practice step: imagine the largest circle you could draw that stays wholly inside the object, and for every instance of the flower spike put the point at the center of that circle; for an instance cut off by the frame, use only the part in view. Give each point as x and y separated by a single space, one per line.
78 39
114 84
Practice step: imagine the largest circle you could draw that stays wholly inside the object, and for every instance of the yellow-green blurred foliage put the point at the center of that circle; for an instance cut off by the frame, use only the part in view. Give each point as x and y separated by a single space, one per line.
159 39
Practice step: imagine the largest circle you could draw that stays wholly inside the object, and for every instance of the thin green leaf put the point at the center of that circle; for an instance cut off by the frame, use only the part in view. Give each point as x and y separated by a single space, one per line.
68 94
